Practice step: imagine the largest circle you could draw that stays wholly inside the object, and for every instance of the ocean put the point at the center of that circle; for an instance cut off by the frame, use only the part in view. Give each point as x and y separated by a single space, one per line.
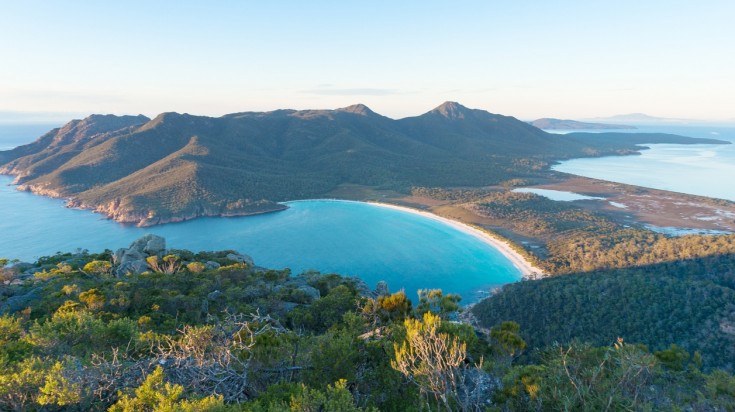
14 135
705 170
408 251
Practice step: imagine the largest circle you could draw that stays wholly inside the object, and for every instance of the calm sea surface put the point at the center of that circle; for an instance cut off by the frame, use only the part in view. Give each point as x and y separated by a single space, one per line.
14 135
351 238
707 170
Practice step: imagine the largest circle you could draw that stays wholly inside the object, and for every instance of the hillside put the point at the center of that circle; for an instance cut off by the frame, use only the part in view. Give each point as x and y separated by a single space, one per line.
688 302
560 124
150 328
179 166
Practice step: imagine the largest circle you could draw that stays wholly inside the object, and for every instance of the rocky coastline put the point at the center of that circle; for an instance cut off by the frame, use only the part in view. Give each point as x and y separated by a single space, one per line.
148 218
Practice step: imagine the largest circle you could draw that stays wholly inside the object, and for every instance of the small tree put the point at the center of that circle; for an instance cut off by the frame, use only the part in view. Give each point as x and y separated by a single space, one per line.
93 298
434 300
155 394
507 342
98 267
196 267
58 389
430 359
395 308
169 264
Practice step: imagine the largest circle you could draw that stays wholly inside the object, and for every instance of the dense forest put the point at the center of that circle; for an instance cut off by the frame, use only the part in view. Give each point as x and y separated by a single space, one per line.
213 331
690 303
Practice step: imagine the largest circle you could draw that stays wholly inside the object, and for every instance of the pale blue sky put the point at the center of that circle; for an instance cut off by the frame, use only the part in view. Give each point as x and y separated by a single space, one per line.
529 59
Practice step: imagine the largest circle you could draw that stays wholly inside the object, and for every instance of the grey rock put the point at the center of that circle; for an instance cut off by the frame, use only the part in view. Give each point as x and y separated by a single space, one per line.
155 245
362 288
135 267
149 244
381 288
17 303
131 255
214 295
212 265
117 256
311 292
240 258
133 259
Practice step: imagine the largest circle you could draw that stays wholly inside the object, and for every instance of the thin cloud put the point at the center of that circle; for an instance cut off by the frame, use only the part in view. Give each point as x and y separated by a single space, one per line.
352 92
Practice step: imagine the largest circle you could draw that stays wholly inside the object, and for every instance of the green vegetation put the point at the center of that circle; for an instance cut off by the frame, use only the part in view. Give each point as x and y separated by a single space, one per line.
180 166
578 240
690 303
199 331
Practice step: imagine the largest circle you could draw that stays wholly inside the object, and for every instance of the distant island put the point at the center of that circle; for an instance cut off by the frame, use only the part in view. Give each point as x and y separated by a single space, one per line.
560 124
637 118
179 166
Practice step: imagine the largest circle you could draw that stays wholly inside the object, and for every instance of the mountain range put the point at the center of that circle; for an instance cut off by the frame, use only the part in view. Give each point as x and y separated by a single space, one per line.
180 166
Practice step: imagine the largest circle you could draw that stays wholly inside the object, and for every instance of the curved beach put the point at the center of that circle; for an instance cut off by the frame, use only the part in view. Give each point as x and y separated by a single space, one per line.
524 266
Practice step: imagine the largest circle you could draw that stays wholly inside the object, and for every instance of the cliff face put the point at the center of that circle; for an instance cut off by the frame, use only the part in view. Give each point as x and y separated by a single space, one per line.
178 166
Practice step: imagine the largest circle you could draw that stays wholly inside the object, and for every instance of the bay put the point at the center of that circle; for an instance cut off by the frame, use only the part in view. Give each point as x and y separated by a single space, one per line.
350 238
701 169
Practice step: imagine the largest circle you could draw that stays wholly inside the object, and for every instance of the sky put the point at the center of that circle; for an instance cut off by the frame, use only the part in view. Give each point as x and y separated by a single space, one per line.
528 59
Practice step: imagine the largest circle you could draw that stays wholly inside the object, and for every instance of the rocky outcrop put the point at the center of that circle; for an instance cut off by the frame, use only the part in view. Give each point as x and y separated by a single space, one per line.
118 212
133 259
381 288
240 258
17 303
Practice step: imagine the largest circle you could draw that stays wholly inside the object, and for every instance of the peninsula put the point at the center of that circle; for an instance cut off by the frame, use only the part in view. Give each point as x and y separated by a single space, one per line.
177 167
559 124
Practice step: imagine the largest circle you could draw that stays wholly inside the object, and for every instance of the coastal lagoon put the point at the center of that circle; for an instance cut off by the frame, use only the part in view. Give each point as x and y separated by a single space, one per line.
350 238
705 169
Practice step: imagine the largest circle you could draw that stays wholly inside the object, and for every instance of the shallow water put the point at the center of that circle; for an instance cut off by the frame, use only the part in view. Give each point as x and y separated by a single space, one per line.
351 238
706 170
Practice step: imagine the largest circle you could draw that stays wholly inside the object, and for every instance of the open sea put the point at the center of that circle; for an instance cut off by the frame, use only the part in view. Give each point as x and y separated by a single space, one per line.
14 135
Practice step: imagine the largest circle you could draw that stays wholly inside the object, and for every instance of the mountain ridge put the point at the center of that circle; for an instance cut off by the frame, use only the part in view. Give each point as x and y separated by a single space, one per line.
181 166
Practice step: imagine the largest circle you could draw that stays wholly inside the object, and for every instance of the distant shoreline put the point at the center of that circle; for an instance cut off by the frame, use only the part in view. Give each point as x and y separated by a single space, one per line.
524 266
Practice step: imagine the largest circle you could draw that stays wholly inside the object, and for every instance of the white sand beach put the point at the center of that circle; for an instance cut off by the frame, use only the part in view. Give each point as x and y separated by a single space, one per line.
525 267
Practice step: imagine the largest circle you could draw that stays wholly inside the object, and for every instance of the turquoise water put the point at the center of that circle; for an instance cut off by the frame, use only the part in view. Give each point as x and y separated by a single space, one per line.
350 238
706 170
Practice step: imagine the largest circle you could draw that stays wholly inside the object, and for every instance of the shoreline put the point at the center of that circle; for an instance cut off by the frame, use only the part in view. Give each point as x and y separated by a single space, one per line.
525 267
